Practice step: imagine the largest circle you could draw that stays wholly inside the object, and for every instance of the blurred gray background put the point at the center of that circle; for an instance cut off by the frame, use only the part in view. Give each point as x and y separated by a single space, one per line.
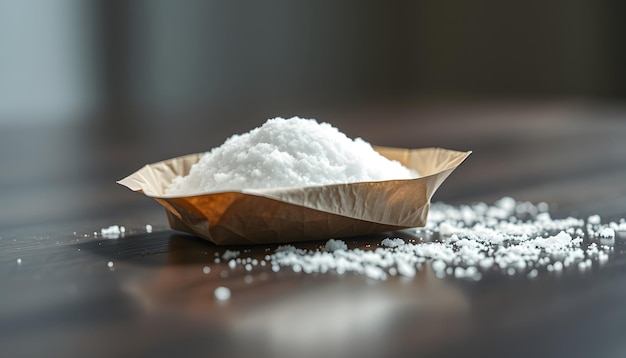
184 61
92 90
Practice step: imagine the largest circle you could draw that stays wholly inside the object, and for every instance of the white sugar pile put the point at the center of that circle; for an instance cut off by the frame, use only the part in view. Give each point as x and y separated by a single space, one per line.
287 153
466 241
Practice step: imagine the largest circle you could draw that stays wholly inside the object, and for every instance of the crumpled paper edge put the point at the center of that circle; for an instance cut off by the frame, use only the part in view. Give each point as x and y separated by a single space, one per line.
282 215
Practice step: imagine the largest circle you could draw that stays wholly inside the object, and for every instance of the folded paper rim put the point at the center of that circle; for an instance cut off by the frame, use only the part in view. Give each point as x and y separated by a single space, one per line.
281 215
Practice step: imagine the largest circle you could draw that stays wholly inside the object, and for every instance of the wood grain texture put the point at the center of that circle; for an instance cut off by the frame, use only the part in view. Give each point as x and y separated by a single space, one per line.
156 300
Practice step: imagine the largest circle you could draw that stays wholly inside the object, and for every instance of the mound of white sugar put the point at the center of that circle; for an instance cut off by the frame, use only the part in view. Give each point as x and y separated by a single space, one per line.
287 153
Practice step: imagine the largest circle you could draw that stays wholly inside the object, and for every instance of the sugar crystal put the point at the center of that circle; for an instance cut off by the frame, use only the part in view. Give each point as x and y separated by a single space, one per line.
222 293
334 245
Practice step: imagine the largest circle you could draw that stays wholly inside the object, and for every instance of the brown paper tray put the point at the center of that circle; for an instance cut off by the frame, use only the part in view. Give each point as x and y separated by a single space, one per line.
282 215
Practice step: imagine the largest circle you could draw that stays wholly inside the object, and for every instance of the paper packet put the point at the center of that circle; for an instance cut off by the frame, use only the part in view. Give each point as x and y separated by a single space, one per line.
283 215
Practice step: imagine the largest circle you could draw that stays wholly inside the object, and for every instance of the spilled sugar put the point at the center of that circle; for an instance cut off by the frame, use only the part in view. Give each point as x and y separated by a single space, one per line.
509 237
287 153
113 232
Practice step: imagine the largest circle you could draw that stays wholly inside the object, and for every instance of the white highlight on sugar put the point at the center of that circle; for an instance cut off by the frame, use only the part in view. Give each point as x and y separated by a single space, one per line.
291 152
508 237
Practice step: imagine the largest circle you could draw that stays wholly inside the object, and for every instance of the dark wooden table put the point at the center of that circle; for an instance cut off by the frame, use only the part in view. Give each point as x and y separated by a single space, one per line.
57 189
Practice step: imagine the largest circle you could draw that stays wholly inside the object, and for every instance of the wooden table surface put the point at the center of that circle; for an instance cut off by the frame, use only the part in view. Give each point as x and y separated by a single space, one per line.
58 188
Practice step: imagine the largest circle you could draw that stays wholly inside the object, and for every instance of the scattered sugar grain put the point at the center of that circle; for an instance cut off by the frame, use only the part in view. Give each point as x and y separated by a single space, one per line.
558 266
392 242
439 265
206 270
110 264
334 245
222 293
148 228
607 233
471 271
230 254
594 220
405 269
19 261
113 232
374 272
